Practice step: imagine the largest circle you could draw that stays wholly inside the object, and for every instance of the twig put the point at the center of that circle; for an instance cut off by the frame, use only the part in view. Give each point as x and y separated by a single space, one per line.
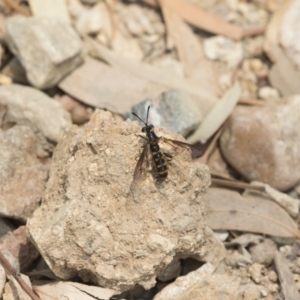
237 184
251 102
5 263
204 158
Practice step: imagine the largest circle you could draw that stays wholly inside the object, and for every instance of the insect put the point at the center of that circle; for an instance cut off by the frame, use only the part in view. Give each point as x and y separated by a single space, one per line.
158 158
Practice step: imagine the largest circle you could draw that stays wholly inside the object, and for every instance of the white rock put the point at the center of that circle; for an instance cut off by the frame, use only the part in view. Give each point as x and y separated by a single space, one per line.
223 49
290 33
201 284
268 93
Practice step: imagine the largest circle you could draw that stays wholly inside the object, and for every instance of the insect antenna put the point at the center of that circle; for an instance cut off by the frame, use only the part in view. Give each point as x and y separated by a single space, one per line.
140 118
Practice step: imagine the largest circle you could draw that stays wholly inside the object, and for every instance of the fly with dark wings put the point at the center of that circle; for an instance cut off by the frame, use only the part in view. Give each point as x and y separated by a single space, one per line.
152 146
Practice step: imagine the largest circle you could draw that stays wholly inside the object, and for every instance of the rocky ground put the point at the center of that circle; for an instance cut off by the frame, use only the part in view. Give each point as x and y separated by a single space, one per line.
83 214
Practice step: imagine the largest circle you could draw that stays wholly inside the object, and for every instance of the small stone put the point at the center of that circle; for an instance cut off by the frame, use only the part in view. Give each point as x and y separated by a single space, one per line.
263 252
172 271
30 107
289 37
223 49
261 142
173 110
255 272
201 284
273 276
5 229
286 250
22 177
90 21
48 49
80 114
21 248
268 93
237 260
251 291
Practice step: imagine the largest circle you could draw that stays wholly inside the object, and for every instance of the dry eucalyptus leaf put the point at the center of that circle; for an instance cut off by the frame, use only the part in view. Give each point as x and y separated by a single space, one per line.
202 19
217 115
288 285
228 210
196 66
72 290
152 73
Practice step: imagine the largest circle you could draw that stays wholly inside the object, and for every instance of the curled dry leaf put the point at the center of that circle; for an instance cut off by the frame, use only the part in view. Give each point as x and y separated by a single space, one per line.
217 115
228 210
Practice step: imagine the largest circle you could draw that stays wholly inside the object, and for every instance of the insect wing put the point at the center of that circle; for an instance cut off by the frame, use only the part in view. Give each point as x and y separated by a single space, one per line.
142 165
196 152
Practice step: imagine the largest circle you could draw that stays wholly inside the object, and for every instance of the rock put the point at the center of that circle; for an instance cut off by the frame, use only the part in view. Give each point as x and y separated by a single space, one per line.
21 248
272 275
223 49
90 21
261 143
236 259
251 291
6 228
173 110
22 176
30 107
289 37
268 93
48 49
95 222
2 280
201 284
263 252
172 271
255 271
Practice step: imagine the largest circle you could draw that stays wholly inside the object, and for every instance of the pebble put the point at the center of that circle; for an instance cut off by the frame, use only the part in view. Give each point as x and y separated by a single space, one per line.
90 21
273 276
263 253
174 110
261 143
22 177
255 271
172 271
30 107
237 260
48 49
289 37
268 93
223 49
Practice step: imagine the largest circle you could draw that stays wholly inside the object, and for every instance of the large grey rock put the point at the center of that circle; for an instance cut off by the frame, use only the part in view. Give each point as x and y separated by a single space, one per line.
48 49
22 176
27 106
262 142
95 222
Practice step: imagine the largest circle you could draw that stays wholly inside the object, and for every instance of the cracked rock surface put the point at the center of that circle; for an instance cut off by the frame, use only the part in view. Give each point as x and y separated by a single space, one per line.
95 222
